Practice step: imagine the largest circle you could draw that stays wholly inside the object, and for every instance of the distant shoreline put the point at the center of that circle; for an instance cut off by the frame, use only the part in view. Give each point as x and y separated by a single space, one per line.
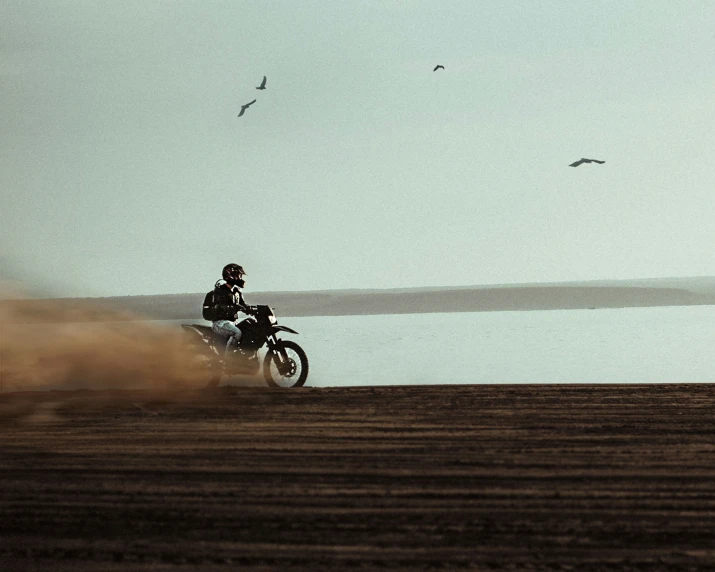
516 297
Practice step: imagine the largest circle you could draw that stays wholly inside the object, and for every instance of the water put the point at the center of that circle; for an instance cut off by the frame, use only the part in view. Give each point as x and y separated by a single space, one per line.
630 345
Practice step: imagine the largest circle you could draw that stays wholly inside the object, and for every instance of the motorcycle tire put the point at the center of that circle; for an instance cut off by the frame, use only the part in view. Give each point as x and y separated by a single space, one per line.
205 367
295 371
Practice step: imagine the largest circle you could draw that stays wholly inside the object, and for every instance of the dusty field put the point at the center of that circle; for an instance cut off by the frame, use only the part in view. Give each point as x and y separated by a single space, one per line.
411 478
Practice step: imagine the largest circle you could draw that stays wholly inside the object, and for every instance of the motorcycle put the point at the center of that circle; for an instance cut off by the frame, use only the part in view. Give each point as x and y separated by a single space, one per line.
285 363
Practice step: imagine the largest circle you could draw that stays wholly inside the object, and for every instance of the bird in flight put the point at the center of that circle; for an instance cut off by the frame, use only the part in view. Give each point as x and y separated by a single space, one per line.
245 107
437 67
263 84
584 160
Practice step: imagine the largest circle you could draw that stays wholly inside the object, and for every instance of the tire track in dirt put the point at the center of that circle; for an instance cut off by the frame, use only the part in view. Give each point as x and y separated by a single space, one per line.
402 478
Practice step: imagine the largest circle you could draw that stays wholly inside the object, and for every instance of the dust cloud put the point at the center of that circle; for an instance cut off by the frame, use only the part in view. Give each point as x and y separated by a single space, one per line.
57 344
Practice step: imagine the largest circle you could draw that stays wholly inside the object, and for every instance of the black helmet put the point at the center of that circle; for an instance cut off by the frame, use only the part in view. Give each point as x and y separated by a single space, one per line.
233 275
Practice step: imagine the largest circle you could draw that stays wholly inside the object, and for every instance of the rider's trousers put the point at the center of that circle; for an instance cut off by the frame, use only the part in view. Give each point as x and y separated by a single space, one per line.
230 330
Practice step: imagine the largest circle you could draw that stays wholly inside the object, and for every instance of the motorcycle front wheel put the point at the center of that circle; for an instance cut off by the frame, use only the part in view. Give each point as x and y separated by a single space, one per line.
286 365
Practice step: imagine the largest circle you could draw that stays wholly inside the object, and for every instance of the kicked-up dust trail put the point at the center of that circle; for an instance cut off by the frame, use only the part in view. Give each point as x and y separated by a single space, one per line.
54 345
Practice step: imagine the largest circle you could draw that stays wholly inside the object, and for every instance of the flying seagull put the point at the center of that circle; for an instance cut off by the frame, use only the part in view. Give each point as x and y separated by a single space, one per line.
263 84
245 107
438 66
584 160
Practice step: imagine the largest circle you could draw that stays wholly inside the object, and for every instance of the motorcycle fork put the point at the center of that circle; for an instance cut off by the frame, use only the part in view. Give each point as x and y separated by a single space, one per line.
279 352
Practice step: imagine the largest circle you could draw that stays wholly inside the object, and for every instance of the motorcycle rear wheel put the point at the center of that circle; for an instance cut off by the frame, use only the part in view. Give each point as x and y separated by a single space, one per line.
293 372
205 367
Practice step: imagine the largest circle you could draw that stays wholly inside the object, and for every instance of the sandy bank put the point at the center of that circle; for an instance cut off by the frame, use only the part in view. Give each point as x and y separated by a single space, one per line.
554 296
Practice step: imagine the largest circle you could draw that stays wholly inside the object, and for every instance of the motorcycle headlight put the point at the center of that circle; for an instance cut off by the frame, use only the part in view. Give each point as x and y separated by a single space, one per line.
272 318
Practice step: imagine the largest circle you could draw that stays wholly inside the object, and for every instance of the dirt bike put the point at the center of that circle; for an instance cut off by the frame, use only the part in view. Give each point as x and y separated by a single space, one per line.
285 364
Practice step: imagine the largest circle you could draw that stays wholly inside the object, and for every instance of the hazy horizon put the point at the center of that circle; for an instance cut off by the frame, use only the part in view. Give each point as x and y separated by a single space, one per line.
696 284
124 160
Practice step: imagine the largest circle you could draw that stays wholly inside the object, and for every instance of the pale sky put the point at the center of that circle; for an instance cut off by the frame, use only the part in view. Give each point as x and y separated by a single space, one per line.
124 168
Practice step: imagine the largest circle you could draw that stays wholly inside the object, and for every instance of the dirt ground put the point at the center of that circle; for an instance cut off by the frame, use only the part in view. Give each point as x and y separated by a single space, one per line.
500 477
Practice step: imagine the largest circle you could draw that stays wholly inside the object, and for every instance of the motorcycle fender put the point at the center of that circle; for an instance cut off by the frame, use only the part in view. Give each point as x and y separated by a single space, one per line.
284 329
198 333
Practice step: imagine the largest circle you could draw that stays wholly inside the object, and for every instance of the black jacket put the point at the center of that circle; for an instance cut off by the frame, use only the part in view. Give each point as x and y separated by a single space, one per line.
227 301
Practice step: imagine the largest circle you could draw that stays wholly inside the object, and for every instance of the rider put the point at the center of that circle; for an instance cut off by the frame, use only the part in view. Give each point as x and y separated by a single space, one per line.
228 302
